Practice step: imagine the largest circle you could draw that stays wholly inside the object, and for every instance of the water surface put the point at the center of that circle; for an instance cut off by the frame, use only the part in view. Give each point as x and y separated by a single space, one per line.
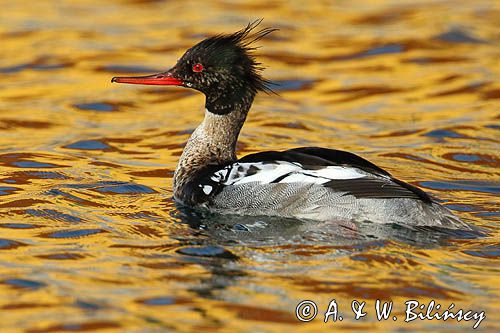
90 239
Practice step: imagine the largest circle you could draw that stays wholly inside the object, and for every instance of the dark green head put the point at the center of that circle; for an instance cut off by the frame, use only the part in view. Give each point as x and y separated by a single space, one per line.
222 67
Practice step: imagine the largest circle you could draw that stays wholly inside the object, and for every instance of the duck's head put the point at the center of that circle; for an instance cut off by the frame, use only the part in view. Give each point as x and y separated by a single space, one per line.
222 67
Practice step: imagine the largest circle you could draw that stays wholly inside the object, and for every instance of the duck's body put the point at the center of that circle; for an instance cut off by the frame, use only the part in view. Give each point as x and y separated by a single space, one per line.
306 183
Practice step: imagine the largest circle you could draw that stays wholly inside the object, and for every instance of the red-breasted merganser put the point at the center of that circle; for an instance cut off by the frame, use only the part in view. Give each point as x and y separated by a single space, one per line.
305 183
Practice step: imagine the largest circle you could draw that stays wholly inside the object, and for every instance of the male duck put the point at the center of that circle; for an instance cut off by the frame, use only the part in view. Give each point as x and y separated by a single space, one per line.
305 183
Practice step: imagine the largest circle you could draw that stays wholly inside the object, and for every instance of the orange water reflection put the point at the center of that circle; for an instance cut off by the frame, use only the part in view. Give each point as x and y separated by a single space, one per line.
90 239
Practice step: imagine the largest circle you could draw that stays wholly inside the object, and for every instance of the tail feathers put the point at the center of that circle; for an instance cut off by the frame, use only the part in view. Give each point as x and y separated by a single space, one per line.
447 219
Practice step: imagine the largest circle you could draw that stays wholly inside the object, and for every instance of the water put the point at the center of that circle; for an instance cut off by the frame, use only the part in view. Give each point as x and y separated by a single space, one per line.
90 239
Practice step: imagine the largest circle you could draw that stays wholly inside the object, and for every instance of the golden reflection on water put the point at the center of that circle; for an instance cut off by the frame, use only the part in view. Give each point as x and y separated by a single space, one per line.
89 237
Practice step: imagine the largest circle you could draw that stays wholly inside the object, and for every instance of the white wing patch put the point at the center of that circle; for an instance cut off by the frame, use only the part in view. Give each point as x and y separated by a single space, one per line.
220 175
264 173
207 189
283 172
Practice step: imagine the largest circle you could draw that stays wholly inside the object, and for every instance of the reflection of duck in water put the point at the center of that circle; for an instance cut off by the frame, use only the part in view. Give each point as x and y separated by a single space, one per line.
306 183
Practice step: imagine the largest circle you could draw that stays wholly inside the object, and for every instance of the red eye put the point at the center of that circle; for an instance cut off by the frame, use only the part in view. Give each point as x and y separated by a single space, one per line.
197 68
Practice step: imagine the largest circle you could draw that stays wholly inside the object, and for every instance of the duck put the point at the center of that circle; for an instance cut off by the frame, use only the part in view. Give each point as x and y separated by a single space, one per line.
305 183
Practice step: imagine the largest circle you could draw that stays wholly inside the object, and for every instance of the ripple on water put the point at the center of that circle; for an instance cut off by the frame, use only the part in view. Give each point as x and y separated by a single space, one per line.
155 173
111 187
88 145
73 233
6 190
474 186
22 203
291 85
159 301
23 306
40 64
13 124
34 165
488 252
27 160
429 60
124 188
474 158
358 92
8 244
491 94
292 124
18 226
443 133
46 175
62 256
472 88
260 313
303 59
97 106
85 305
430 162
383 17
415 290
118 69
90 326
207 251
75 199
23 284
105 252
458 36
462 207
378 50
465 157
53 215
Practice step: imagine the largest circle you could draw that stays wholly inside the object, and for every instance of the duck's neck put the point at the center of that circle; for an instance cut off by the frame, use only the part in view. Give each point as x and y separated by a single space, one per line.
212 143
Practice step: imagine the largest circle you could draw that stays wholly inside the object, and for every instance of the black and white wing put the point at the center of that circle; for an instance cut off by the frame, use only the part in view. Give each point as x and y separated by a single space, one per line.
334 169
319 184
